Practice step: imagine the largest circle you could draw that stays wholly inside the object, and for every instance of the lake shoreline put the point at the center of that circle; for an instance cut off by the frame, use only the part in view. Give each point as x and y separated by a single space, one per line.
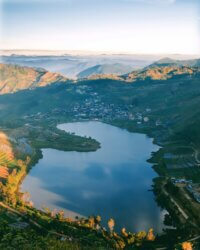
131 133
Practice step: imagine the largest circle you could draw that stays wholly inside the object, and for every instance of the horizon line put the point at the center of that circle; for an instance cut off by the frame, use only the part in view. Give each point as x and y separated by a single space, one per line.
100 52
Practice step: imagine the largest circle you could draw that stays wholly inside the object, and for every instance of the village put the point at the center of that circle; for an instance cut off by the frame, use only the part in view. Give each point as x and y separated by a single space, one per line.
192 188
92 107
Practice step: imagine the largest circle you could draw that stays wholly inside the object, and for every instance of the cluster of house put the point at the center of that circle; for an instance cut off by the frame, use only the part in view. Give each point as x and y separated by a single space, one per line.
181 181
139 117
192 188
93 107
194 192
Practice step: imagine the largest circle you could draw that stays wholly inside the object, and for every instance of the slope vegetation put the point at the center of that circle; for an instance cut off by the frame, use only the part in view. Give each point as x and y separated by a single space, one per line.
160 72
14 78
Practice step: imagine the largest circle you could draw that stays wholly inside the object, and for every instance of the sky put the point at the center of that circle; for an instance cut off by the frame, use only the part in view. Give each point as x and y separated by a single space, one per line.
122 26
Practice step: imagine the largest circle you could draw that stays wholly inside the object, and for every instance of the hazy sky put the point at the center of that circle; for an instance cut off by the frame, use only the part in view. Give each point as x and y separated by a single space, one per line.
137 26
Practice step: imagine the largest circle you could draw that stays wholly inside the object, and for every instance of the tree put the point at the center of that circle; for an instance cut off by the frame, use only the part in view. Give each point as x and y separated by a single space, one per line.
60 215
47 211
91 221
150 235
124 233
187 246
98 219
111 224
97 222
141 235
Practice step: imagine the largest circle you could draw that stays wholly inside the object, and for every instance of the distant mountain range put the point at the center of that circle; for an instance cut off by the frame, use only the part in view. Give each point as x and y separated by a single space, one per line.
171 62
14 78
163 69
160 72
114 69
70 66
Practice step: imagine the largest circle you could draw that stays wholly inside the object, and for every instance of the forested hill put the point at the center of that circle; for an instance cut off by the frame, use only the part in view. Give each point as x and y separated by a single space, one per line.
161 72
14 78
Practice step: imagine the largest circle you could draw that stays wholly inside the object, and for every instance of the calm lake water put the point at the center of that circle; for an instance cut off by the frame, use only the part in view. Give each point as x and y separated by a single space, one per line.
112 182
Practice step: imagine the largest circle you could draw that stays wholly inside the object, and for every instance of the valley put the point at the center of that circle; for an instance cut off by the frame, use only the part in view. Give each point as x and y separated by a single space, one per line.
99 125
161 102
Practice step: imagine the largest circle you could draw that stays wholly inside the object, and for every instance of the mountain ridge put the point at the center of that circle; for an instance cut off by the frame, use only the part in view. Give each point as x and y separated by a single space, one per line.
162 69
101 69
160 73
14 78
153 73
167 61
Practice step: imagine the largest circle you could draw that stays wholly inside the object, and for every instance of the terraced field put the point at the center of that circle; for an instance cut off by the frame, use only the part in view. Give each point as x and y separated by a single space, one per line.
4 172
7 160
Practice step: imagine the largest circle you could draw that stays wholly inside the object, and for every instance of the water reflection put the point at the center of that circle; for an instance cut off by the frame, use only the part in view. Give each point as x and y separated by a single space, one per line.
112 182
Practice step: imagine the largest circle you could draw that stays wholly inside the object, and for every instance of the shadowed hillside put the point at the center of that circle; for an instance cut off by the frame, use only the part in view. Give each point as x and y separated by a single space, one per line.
107 69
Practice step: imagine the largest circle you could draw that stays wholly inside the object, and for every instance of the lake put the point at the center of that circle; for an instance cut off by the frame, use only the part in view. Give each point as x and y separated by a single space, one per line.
115 181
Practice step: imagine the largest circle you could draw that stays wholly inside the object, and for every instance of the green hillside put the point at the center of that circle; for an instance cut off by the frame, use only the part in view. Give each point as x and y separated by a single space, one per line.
14 78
